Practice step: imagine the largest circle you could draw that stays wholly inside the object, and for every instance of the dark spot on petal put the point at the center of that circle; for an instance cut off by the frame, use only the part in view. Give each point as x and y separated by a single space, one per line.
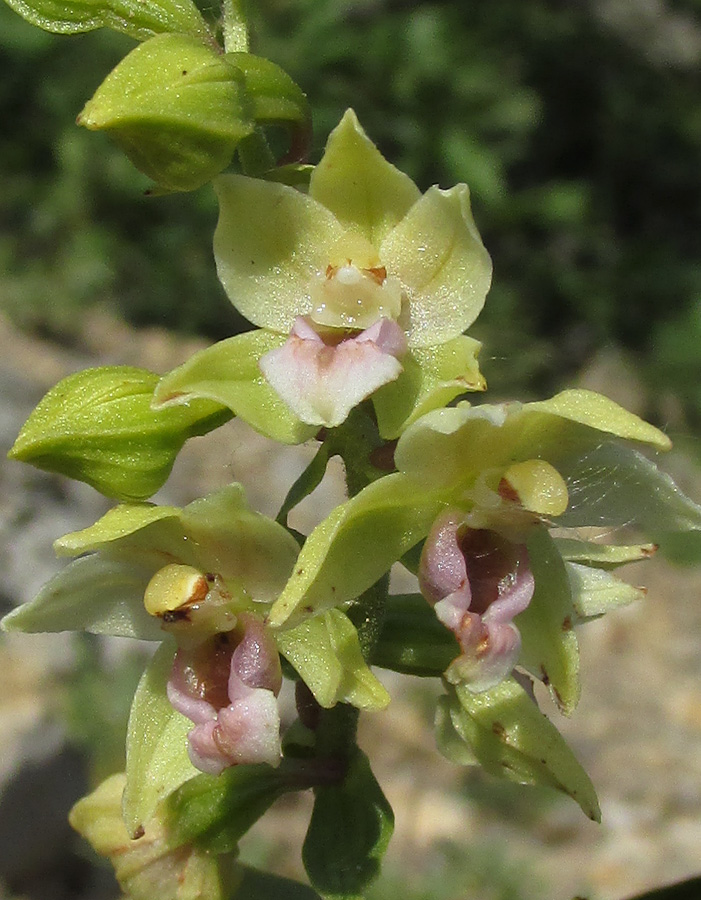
507 491
184 71
299 572
545 678
139 833
499 730
567 624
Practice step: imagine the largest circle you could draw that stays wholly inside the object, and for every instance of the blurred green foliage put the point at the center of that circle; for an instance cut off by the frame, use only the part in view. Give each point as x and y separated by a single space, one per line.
577 126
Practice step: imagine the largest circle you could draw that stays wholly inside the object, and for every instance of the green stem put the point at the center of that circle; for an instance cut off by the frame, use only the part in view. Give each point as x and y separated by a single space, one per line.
234 27
354 442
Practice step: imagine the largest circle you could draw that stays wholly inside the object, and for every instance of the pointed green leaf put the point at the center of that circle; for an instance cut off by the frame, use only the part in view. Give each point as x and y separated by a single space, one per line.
177 108
342 557
432 378
595 591
350 828
271 244
549 646
157 759
214 812
228 374
412 639
438 255
512 739
93 594
98 426
354 181
308 481
325 651
140 19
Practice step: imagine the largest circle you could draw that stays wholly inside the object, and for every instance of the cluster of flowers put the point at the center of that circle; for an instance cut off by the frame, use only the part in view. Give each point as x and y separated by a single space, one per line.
361 290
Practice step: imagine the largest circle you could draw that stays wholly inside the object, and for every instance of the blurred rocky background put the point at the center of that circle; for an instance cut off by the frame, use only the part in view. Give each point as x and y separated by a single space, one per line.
578 127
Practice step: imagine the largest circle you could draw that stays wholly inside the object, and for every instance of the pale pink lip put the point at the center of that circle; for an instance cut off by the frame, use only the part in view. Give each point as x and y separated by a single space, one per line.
477 582
321 378
234 707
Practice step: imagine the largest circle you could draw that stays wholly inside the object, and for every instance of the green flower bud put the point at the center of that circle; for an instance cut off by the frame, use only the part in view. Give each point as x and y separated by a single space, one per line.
176 107
140 19
98 426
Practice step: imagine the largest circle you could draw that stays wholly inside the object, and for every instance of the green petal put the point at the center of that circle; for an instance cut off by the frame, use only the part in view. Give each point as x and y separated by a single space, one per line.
438 255
549 647
512 739
595 591
564 431
91 594
602 556
239 544
432 378
342 557
228 373
157 760
325 652
271 243
598 412
353 180
217 533
133 17
98 426
150 531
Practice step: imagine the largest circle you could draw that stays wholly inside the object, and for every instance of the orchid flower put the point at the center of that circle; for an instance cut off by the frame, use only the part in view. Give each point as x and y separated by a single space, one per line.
201 580
361 288
495 480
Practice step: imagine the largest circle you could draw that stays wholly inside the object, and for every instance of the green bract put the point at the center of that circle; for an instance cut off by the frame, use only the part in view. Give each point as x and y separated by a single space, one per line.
319 273
157 864
140 19
98 426
176 107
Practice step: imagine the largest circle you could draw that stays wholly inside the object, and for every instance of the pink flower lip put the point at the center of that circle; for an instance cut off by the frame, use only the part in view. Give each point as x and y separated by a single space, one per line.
228 689
322 374
477 581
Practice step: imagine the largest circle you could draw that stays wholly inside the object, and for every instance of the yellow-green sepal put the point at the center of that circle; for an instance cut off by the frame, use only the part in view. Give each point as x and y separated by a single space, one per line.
549 648
157 759
505 732
176 107
432 377
98 426
140 19
227 373
325 651
364 191
342 556
596 591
